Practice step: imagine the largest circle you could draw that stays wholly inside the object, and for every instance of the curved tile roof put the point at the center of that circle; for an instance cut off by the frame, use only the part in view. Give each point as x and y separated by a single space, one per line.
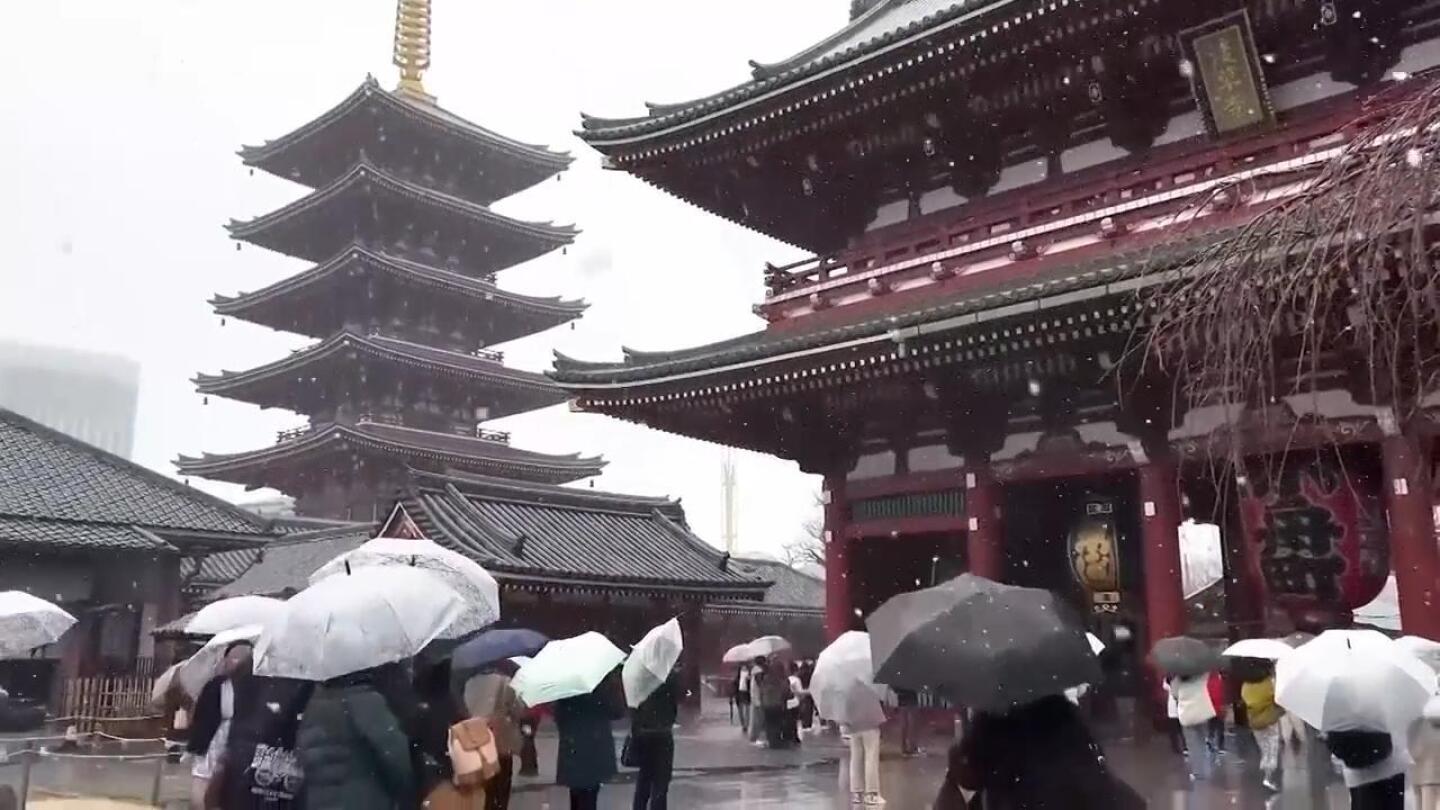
520 165
58 489
890 23
583 537
365 260
405 445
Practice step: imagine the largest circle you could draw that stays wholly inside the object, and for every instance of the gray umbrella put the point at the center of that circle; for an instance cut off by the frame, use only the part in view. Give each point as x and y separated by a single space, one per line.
1184 656
985 645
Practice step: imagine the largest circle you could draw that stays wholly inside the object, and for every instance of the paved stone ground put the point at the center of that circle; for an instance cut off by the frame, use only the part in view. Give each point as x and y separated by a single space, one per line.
716 768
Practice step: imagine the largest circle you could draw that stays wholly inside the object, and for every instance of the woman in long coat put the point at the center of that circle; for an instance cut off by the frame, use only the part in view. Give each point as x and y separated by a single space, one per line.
586 756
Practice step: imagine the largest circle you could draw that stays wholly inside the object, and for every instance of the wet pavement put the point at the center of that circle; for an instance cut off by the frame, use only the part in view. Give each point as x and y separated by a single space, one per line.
716 768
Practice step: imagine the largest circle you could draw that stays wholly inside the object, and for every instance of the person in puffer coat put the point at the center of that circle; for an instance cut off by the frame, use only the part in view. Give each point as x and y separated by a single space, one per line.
352 751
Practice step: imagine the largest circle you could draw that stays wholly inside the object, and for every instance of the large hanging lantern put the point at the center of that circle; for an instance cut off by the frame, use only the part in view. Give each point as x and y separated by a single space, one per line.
1316 531
1095 557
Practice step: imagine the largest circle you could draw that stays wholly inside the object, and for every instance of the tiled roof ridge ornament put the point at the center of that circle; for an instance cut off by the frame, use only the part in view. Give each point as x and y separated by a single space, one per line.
412 48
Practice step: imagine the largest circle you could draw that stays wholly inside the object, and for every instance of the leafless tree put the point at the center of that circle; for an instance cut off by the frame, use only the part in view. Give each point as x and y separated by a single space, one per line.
1342 268
809 547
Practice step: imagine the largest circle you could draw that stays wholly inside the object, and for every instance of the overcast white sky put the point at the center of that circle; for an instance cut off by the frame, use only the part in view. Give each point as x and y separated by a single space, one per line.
117 170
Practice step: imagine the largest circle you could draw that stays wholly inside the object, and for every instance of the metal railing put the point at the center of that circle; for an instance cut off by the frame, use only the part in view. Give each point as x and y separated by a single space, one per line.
497 436
93 765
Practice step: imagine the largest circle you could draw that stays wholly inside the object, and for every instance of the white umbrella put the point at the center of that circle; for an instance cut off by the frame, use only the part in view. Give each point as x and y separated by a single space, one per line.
197 670
566 668
1353 679
237 611
358 621
842 684
738 654
1272 649
767 645
650 662
163 682
27 622
463 575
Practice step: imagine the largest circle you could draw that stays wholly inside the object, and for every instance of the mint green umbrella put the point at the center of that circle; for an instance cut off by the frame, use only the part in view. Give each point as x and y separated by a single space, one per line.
565 668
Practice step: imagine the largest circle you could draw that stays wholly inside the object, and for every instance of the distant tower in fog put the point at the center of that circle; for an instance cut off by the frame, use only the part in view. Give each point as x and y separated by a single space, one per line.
91 397
727 495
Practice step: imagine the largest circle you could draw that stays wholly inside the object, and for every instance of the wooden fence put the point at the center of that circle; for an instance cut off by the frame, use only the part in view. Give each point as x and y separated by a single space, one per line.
108 704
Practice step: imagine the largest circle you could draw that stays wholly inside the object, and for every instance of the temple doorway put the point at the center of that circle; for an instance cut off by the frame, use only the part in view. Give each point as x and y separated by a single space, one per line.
884 566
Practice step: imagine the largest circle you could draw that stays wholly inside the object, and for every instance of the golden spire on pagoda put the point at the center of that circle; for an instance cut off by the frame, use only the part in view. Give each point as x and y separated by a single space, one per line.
412 47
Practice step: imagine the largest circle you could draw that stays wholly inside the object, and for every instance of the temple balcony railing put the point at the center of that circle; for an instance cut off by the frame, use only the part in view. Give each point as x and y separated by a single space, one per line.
490 355
468 430
497 436
292 434
1023 223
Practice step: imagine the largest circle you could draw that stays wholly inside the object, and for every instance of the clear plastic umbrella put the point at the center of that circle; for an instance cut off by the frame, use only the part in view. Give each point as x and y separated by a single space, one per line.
237 611
767 645
650 662
1353 679
194 672
1270 649
27 622
841 684
463 575
357 621
565 668
738 654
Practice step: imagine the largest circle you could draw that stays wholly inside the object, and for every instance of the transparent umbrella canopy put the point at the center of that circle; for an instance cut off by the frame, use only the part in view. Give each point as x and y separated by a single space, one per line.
464 576
356 621
650 662
27 622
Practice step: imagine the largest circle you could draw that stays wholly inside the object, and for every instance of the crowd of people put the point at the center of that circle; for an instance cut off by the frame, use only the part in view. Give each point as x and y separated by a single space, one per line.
773 701
395 737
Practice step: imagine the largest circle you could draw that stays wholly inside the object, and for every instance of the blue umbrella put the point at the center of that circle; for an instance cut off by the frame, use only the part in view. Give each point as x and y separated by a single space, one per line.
491 646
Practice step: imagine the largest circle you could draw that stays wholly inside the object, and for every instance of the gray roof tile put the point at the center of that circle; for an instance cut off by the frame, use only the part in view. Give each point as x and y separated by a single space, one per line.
284 566
535 531
47 475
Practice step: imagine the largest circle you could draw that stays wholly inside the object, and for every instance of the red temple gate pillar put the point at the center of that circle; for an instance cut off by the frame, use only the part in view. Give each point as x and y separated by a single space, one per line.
839 597
984 540
1414 555
1160 531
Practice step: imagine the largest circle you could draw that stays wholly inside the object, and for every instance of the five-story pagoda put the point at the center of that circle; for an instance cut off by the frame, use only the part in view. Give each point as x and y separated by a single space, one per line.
401 297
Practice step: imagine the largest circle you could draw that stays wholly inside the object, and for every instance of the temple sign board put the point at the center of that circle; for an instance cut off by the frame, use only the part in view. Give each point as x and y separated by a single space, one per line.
1225 71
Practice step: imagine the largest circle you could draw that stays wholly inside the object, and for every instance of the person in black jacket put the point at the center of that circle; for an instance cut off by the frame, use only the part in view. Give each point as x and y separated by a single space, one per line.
652 745
1038 756
1374 771
437 711
585 758
264 769
214 711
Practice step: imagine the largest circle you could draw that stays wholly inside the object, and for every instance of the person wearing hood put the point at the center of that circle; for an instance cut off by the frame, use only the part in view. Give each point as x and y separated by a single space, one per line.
352 749
1425 750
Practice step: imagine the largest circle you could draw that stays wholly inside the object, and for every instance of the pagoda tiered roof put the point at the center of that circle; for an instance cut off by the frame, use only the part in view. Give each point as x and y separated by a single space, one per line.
304 303
389 129
400 216
303 379
336 443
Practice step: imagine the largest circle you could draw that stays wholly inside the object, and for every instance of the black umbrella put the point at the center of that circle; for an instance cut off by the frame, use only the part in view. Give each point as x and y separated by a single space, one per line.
491 646
985 645
1184 656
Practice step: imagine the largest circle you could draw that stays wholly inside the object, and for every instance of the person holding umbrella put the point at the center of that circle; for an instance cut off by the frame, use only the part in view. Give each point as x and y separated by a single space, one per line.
1263 715
1009 654
214 710
844 691
1187 663
575 675
351 747
650 678
489 697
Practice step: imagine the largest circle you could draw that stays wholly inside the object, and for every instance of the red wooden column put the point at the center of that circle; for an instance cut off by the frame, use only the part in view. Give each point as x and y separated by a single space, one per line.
839 597
1413 551
984 538
1160 531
